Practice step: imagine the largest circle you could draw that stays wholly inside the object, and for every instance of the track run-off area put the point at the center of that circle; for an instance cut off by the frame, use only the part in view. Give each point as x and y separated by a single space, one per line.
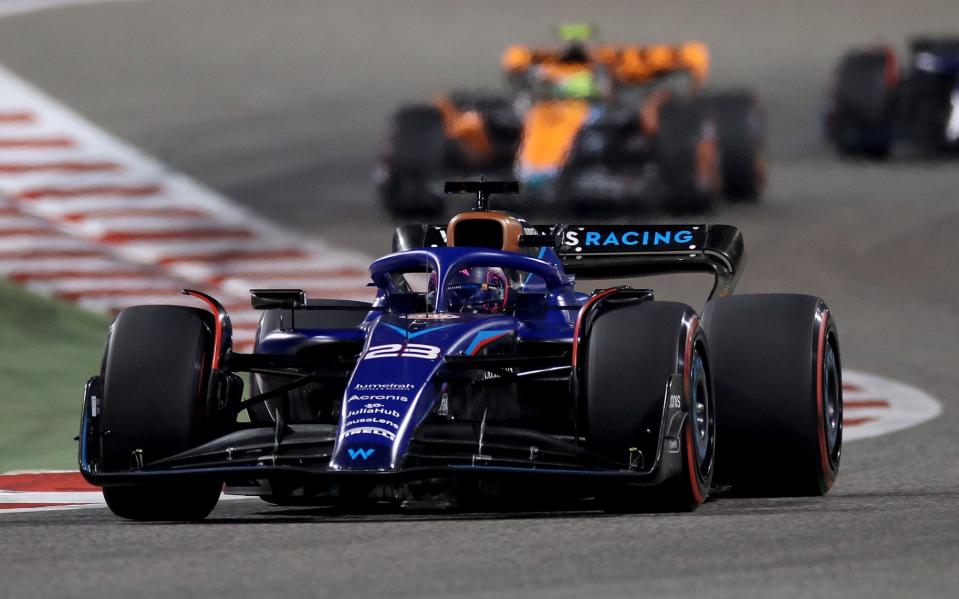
224 144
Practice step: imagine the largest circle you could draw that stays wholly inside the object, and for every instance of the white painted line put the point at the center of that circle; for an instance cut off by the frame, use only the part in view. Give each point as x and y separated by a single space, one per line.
116 303
8 223
280 266
95 227
51 497
349 282
38 154
100 284
10 244
52 508
46 501
40 265
274 266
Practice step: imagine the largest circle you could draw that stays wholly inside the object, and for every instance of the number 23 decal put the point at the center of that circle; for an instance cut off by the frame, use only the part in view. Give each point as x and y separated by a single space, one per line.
398 350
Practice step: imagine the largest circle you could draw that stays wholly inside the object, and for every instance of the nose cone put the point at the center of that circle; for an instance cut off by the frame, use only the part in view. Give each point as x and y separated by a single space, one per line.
548 135
365 451
393 388
372 421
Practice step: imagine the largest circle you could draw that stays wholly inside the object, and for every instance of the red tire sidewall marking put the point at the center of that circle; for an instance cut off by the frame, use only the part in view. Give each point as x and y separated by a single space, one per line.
891 69
820 400
698 493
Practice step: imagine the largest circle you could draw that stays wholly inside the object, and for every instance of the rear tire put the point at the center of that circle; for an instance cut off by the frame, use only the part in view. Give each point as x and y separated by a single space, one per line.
861 123
632 352
778 382
155 376
688 153
741 125
418 152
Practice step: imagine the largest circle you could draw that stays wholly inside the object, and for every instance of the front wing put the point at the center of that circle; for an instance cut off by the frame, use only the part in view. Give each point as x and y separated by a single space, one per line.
298 457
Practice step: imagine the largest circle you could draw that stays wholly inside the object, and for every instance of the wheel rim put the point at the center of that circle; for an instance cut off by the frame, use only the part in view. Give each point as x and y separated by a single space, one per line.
702 414
832 403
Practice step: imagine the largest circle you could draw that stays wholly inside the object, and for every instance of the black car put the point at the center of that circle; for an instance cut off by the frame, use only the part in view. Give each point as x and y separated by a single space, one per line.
875 103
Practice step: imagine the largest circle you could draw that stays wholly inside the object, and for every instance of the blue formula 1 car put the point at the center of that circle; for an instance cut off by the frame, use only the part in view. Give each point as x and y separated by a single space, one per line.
477 372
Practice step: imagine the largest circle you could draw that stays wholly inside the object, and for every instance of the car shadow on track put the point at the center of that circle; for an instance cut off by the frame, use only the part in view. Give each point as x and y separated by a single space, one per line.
326 515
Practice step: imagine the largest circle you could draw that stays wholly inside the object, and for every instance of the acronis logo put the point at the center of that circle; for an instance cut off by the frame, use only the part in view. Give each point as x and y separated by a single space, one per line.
628 238
360 453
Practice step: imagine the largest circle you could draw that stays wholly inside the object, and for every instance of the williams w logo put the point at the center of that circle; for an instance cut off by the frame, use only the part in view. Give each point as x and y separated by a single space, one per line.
360 453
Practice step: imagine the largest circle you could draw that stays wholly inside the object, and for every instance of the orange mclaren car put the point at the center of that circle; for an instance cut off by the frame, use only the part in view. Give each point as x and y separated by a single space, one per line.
584 128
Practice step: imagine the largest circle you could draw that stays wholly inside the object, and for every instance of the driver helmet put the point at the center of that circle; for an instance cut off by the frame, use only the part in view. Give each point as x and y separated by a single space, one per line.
479 289
578 85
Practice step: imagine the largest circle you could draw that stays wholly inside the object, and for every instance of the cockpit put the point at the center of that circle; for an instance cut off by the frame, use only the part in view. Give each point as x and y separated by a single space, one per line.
476 288
484 269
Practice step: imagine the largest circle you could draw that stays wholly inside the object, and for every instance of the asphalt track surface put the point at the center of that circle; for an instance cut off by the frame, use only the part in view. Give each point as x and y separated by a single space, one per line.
282 106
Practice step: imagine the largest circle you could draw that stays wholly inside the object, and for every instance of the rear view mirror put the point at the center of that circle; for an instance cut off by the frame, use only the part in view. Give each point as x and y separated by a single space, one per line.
408 303
287 299
528 301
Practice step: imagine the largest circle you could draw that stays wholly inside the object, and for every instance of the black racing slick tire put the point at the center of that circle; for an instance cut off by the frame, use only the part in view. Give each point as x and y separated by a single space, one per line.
778 383
417 157
741 126
687 150
862 119
155 373
632 352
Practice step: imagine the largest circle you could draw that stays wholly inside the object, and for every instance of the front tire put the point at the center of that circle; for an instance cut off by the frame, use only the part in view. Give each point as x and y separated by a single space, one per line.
778 382
632 352
148 503
155 376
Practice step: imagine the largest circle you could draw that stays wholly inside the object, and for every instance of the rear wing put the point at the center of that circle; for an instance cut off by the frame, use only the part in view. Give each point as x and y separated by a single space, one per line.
613 251
630 62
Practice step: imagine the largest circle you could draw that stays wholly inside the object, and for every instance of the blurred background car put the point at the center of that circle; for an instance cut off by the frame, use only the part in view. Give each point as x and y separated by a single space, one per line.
875 103
584 127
